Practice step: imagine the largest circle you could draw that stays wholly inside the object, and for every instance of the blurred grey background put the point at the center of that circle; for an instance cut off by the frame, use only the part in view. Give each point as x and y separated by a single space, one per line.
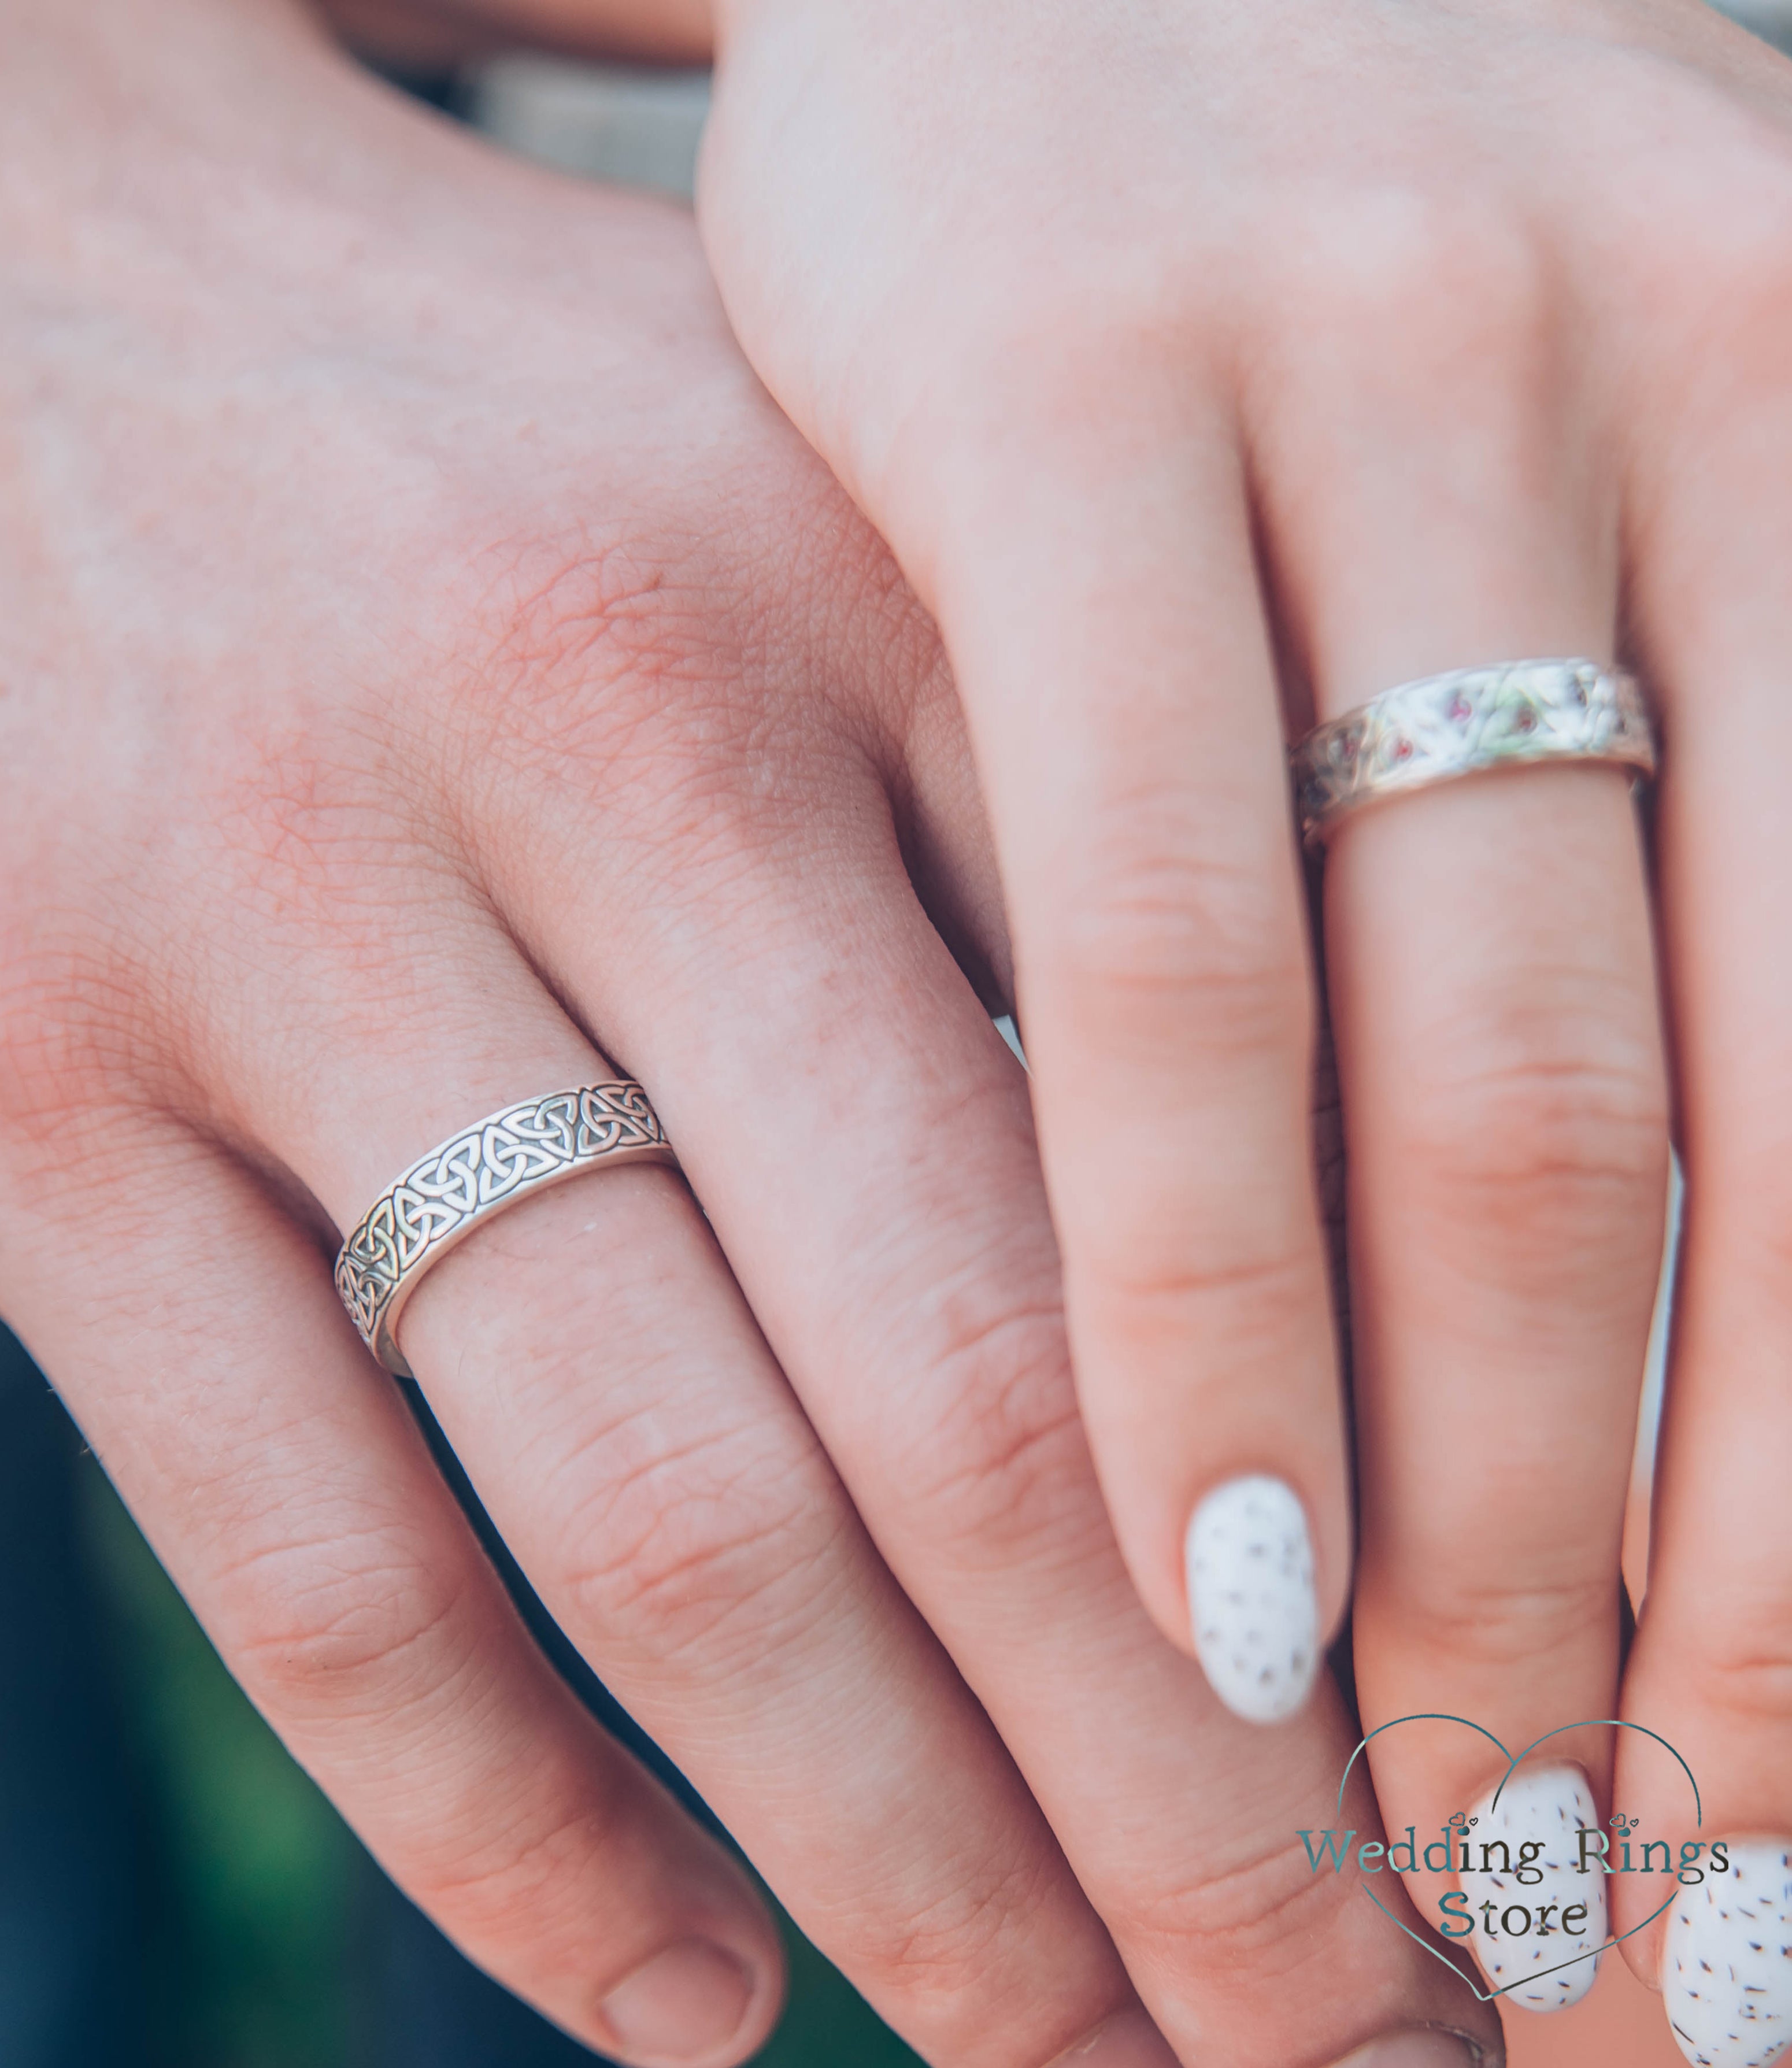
642 127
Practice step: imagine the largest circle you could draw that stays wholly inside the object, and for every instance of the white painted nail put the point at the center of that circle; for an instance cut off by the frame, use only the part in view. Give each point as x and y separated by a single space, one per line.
1544 1806
1250 1602
1726 1960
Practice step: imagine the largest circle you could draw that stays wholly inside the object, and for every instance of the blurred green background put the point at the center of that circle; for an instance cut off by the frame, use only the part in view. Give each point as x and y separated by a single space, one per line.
258 1957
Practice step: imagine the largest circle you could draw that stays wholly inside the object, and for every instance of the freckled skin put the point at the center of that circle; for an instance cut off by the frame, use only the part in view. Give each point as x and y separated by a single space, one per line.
1549 1804
1726 1966
1251 1597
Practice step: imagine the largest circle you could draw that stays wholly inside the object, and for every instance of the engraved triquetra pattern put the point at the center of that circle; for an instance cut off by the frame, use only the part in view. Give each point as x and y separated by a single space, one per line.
534 1143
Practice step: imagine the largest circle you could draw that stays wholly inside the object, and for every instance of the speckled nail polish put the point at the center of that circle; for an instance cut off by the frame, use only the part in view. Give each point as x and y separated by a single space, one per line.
1726 1960
1251 1599
1547 1805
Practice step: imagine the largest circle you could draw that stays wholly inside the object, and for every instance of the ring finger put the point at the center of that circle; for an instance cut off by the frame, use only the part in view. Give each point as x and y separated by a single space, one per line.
861 1138
596 1370
1492 987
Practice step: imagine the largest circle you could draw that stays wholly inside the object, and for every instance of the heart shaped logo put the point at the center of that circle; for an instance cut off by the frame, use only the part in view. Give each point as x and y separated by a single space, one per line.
1457 1828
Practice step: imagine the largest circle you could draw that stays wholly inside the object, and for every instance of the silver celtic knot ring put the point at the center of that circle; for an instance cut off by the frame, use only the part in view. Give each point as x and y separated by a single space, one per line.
1462 724
476 1174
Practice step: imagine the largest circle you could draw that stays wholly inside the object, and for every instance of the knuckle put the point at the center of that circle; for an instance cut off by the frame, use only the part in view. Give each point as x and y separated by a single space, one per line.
487 1871
1752 299
68 1035
1729 277
348 1626
1202 940
714 1543
1155 1283
949 1938
1539 1139
626 670
1504 1618
92 1087
1747 242
1251 1915
586 638
1738 1654
1459 279
309 843
1247 1295
351 1631
1004 1459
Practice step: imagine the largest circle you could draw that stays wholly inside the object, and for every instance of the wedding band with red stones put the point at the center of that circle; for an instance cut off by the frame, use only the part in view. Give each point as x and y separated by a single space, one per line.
476 1174
1464 723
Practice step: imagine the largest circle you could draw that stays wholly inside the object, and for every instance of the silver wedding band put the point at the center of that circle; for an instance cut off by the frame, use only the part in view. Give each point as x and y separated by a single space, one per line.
1445 727
473 1176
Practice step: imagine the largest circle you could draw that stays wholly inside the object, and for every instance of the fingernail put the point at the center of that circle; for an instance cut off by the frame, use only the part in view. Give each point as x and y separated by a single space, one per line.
1545 1807
1128 2040
1726 1958
682 2006
1422 2047
1252 1606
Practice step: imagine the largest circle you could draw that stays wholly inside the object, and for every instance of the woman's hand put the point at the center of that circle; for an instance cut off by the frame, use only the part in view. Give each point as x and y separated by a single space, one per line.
1188 349
433 673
